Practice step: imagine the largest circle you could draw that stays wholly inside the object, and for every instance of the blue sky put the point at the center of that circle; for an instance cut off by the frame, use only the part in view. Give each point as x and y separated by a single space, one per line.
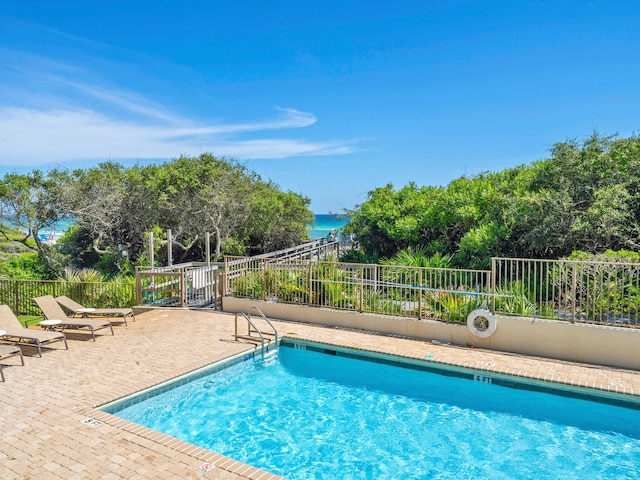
327 99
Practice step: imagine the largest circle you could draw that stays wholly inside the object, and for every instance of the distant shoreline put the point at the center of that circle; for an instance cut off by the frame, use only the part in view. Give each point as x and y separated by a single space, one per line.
324 224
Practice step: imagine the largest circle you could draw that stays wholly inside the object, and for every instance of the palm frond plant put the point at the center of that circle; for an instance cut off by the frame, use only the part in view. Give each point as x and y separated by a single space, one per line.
408 262
450 305
376 302
513 299
81 284
334 286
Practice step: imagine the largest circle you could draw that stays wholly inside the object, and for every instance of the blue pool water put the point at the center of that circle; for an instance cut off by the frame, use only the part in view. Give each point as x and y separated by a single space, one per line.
309 414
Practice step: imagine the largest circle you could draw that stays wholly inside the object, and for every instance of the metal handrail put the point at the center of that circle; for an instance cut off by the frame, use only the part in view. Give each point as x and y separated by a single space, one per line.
275 332
255 328
251 323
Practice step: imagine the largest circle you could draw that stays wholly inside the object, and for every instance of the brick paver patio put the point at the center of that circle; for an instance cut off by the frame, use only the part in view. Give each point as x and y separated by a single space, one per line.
46 406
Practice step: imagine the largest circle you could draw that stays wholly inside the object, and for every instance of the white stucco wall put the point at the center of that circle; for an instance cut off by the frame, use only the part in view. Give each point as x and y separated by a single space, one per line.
600 345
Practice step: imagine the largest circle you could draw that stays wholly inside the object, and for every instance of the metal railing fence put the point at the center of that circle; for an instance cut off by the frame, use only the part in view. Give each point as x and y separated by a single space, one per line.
578 291
18 294
198 284
318 249
403 291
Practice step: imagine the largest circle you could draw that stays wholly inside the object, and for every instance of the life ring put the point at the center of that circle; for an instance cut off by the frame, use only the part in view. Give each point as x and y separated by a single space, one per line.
481 323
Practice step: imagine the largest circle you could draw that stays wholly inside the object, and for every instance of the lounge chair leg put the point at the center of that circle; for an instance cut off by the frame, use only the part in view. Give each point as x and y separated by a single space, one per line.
1 373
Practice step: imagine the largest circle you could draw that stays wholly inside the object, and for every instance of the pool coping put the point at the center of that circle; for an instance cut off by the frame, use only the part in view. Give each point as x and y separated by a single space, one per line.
161 325
53 431
555 383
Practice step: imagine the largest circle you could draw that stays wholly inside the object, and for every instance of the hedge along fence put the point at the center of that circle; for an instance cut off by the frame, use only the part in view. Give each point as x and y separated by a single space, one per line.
606 293
441 293
19 294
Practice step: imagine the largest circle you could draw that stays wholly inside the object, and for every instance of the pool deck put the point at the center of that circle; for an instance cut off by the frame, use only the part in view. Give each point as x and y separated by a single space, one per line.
50 429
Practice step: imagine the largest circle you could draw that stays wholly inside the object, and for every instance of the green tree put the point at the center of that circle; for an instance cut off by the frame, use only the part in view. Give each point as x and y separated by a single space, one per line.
585 196
32 203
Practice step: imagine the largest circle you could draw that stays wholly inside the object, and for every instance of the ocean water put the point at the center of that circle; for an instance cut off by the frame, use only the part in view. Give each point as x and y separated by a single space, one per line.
313 415
324 224
59 228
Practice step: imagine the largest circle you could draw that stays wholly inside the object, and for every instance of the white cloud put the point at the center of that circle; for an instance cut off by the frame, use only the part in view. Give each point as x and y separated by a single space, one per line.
54 111
126 101
36 138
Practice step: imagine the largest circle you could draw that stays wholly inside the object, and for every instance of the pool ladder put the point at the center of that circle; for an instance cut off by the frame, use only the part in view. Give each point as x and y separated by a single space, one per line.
252 328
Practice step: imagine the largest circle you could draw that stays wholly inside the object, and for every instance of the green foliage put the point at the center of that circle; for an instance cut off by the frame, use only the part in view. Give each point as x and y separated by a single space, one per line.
514 299
88 275
114 207
418 257
233 246
586 196
249 285
111 266
76 245
375 301
454 307
9 234
288 285
357 256
606 287
278 220
619 256
19 293
24 266
478 245
333 286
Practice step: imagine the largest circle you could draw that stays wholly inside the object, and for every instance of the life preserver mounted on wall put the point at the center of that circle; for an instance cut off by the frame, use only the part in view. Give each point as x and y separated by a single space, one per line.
481 323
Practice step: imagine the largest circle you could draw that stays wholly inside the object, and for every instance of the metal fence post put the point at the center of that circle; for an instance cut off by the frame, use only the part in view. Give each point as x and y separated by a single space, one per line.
574 282
17 298
266 283
420 294
361 300
492 284
310 289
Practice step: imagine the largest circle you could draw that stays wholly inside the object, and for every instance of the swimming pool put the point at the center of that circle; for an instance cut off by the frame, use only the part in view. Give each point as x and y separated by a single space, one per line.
316 412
